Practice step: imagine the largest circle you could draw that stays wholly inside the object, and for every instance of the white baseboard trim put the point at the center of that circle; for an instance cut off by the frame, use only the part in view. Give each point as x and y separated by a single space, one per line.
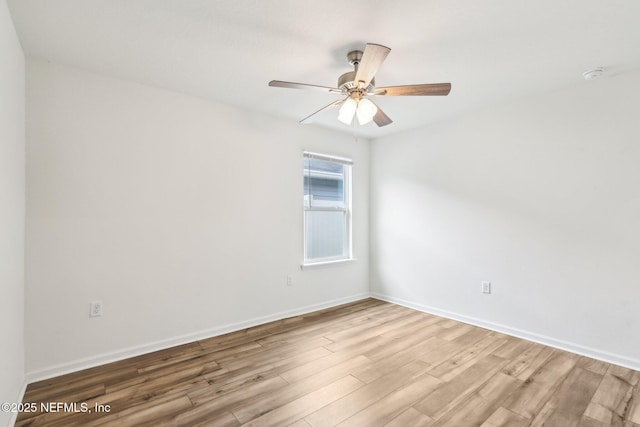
593 353
14 415
90 362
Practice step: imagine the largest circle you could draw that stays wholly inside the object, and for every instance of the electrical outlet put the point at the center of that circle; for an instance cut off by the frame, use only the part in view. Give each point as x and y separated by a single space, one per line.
486 287
95 309
289 280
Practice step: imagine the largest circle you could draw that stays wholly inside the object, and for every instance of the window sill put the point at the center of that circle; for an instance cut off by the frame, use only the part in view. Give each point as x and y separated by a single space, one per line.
325 263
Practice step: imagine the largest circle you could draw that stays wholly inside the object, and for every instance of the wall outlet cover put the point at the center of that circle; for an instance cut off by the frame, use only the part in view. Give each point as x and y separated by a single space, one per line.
95 309
486 287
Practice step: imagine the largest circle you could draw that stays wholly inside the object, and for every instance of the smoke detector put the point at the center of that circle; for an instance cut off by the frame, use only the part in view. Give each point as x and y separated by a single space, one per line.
593 74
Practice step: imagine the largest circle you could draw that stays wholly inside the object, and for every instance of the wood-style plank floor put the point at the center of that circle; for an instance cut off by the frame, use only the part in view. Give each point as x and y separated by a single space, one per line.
368 363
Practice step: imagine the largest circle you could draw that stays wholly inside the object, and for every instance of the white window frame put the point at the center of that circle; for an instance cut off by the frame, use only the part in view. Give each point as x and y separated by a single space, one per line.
347 188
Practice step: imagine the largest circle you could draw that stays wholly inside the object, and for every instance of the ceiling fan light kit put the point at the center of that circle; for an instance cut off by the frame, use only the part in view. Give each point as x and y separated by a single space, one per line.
347 111
358 84
366 111
363 109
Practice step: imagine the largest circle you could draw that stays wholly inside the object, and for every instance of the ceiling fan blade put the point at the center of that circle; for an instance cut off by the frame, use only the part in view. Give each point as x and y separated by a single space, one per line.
291 85
435 89
381 119
373 56
327 107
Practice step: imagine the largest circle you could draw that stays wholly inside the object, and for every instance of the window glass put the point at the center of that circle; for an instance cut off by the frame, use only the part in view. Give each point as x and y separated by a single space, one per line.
327 209
323 183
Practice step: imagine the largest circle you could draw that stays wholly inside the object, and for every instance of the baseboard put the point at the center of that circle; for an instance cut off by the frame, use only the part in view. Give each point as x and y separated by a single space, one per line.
90 362
593 353
14 415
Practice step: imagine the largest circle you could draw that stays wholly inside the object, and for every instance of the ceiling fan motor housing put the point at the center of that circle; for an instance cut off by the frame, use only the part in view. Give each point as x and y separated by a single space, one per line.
347 80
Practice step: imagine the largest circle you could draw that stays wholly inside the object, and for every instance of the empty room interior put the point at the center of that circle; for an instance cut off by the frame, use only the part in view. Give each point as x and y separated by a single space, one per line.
320 213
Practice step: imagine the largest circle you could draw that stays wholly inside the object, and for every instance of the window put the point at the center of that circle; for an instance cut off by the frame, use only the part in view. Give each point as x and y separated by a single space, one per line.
327 208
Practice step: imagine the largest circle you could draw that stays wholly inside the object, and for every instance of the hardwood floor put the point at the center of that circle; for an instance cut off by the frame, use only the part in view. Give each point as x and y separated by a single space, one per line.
369 363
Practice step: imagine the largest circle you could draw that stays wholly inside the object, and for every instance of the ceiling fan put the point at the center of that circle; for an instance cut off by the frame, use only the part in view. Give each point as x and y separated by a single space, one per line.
359 84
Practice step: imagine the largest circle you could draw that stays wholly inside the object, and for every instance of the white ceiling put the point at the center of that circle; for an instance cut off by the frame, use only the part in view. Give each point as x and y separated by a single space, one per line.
228 50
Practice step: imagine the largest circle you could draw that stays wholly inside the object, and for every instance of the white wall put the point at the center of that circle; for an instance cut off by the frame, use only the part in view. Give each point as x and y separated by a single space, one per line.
183 216
12 206
541 197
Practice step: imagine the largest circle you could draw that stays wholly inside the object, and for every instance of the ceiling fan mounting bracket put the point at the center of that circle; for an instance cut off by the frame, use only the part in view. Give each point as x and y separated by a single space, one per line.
354 57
